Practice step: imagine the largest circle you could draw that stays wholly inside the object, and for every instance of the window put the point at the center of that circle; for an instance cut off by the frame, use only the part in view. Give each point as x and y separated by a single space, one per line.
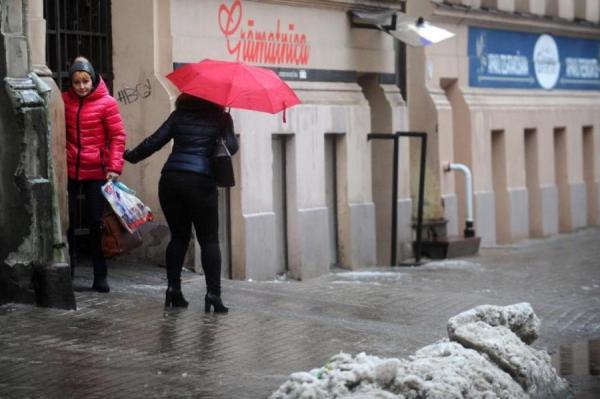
78 27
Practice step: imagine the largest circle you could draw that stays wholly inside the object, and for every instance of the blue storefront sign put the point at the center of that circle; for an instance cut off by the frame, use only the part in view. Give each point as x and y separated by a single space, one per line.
508 59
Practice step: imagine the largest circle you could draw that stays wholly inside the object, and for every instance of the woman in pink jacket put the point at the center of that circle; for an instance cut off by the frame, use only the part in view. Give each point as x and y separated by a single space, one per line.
95 146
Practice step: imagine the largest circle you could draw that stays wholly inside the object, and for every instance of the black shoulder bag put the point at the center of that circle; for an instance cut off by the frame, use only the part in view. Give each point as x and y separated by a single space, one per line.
222 166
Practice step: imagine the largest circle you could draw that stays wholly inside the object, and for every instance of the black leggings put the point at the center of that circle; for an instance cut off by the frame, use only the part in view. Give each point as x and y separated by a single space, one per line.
186 199
93 208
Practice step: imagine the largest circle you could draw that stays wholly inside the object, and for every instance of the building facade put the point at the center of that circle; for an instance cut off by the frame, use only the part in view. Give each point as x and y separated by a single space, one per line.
516 98
304 195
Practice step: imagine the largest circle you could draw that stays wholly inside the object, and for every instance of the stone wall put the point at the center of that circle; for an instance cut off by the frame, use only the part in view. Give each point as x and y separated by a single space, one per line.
30 261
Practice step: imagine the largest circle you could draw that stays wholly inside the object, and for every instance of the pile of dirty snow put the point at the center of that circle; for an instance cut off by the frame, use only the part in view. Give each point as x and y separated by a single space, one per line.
487 356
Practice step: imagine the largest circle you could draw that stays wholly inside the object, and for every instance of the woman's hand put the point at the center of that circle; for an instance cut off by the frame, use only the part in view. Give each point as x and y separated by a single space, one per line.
128 156
112 176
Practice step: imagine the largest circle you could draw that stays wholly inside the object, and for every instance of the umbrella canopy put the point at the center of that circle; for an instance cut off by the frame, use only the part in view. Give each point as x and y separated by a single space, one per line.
418 33
235 85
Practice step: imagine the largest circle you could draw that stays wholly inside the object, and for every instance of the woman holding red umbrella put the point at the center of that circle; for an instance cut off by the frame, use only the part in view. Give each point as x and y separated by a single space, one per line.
187 190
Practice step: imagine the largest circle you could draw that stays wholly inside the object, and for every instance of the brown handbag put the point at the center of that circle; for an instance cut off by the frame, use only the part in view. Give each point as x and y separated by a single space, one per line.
116 240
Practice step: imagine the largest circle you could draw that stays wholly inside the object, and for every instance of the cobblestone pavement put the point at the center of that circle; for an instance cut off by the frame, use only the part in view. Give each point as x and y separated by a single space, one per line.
125 345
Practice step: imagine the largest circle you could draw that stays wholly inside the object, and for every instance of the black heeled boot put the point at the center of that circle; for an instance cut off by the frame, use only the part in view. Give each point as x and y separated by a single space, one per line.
174 298
215 301
100 284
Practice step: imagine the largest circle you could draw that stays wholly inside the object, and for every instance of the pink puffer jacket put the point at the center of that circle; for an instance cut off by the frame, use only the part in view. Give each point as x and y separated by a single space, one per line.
95 134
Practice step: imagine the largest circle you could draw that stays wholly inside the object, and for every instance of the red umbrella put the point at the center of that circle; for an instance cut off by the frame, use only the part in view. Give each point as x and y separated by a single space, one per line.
236 85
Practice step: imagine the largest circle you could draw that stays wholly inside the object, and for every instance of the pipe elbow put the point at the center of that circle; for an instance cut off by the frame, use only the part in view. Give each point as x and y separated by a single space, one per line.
449 166
460 167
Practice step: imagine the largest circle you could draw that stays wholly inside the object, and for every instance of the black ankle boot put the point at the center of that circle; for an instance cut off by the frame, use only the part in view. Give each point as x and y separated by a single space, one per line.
100 284
216 302
174 298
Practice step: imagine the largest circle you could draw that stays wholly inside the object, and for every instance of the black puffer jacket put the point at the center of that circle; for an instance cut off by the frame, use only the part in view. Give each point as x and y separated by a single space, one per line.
194 126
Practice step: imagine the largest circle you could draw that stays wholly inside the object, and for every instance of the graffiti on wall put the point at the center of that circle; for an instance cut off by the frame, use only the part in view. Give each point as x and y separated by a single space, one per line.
129 95
248 42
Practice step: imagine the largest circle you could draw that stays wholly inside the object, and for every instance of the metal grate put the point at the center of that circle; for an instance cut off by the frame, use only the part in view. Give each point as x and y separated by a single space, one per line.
78 27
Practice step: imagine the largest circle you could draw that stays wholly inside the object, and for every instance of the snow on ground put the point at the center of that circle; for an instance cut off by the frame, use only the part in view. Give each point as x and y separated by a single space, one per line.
529 367
442 370
452 265
519 318
489 359
365 277
148 287
356 282
368 275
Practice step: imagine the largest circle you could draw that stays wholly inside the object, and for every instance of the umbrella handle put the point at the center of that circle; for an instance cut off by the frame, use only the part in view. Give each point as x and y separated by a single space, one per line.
284 108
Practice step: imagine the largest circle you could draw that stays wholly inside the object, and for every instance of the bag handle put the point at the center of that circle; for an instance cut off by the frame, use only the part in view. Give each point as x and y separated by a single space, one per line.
119 184
221 141
221 137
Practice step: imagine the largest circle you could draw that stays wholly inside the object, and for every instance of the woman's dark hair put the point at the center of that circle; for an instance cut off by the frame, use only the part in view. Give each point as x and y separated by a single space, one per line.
187 101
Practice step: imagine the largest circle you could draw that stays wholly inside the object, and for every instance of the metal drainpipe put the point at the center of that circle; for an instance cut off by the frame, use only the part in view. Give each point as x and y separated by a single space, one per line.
469 230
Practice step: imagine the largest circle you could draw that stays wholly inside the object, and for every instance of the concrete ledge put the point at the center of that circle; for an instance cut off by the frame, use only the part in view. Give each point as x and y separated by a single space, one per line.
578 205
485 216
362 234
314 249
519 213
15 284
263 260
450 247
549 211
54 287
450 202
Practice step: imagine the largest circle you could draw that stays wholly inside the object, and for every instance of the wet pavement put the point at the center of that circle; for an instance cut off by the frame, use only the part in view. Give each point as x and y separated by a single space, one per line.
126 345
